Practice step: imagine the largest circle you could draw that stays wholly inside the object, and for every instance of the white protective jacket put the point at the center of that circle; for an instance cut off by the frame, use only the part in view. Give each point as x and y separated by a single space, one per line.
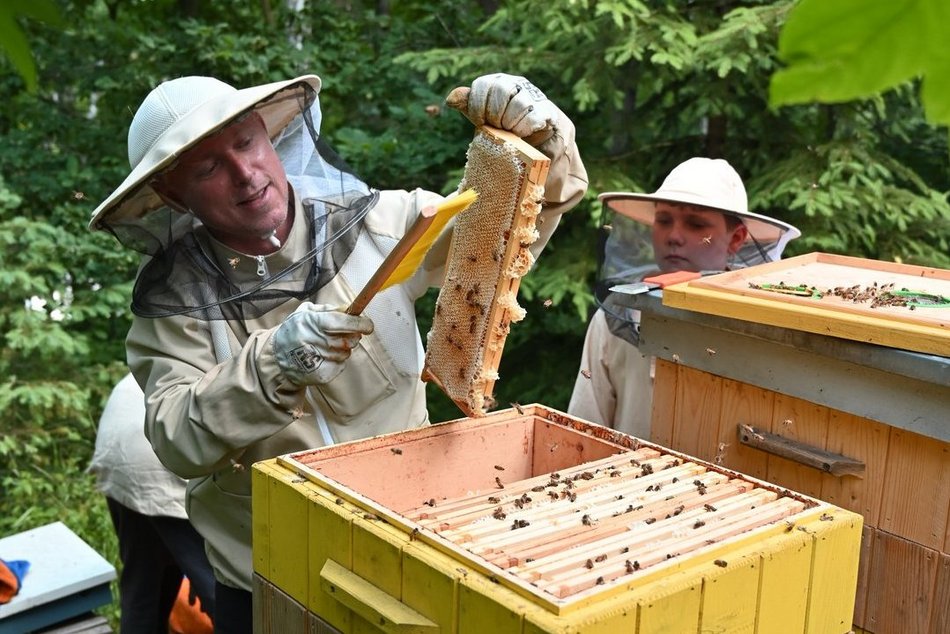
211 419
614 385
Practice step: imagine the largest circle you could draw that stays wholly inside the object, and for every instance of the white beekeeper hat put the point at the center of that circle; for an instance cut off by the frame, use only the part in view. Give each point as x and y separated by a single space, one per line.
703 182
180 113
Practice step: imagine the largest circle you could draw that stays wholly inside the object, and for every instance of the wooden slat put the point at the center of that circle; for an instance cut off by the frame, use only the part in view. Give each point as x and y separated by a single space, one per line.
940 618
664 403
698 401
864 566
867 441
806 422
742 404
916 488
900 585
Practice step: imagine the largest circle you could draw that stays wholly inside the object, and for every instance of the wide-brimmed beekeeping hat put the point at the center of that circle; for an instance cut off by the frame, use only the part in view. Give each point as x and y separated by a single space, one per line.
702 182
179 114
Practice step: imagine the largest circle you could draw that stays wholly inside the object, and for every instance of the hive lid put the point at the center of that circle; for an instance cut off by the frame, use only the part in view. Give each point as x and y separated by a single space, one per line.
885 303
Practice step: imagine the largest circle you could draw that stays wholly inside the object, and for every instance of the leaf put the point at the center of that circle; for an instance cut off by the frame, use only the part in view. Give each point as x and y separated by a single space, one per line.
850 49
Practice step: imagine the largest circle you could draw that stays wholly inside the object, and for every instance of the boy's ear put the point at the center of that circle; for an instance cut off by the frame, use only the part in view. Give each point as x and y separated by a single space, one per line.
739 235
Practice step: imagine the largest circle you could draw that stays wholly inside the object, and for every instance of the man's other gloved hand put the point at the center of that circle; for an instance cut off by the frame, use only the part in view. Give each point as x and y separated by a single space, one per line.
508 102
314 341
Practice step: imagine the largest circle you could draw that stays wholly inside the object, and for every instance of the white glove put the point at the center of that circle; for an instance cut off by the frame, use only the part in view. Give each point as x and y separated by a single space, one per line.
511 103
314 341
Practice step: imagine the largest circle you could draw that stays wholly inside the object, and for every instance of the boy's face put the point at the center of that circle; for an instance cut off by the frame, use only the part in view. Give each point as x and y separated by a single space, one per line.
234 183
687 238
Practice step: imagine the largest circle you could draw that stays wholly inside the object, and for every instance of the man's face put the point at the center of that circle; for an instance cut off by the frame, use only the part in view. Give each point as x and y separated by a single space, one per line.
235 184
687 238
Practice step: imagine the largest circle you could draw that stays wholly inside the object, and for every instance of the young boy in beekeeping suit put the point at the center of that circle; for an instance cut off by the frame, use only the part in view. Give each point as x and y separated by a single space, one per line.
698 220
258 236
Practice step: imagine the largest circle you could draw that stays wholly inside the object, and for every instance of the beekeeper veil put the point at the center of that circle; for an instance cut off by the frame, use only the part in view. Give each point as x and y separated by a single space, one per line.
181 275
627 255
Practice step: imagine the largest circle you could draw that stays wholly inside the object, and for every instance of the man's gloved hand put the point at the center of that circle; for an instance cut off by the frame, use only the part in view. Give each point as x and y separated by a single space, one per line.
314 341
508 102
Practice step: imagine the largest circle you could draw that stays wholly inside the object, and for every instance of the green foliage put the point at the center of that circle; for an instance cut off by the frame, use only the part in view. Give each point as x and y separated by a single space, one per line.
13 42
851 49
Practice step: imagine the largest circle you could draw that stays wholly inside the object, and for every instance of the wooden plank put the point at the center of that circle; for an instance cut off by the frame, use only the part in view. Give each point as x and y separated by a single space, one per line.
940 617
289 534
805 422
905 330
698 403
664 402
276 612
674 609
837 465
783 585
900 585
332 517
377 554
834 572
861 593
728 605
916 489
742 404
824 272
865 440
429 582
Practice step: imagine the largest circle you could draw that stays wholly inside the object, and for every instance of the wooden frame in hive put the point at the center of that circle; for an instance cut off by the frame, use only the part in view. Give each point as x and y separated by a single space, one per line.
488 256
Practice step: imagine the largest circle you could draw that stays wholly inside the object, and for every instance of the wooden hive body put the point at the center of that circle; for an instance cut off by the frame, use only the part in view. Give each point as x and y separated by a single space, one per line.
471 526
488 256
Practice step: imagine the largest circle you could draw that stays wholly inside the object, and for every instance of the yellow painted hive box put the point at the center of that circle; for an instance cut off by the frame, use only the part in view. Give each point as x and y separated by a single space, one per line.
529 520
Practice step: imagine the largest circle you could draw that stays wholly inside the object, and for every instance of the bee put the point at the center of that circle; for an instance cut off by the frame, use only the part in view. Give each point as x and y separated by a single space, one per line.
600 558
589 564
78 195
499 514
499 467
518 407
585 373
519 524
699 524
339 501
710 508
629 566
826 518
430 502
498 483
587 521
649 520
710 351
413 534
492 499
548 302
600 581
233 262
396 450
721 563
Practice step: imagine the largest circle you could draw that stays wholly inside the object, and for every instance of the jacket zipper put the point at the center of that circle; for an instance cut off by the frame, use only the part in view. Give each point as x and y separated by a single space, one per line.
261 266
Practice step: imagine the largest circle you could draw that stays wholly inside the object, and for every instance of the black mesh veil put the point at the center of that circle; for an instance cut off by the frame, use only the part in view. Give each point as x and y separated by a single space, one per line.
182 276
627 256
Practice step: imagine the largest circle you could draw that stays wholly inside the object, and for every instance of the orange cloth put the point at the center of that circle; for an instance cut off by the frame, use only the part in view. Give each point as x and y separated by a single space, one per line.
11 575
187 617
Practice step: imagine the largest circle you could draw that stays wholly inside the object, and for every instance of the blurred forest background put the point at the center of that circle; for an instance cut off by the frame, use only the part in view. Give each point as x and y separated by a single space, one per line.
647 83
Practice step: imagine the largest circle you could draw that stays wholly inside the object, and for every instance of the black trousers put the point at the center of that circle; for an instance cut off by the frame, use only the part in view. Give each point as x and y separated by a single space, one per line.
155 552
233 613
